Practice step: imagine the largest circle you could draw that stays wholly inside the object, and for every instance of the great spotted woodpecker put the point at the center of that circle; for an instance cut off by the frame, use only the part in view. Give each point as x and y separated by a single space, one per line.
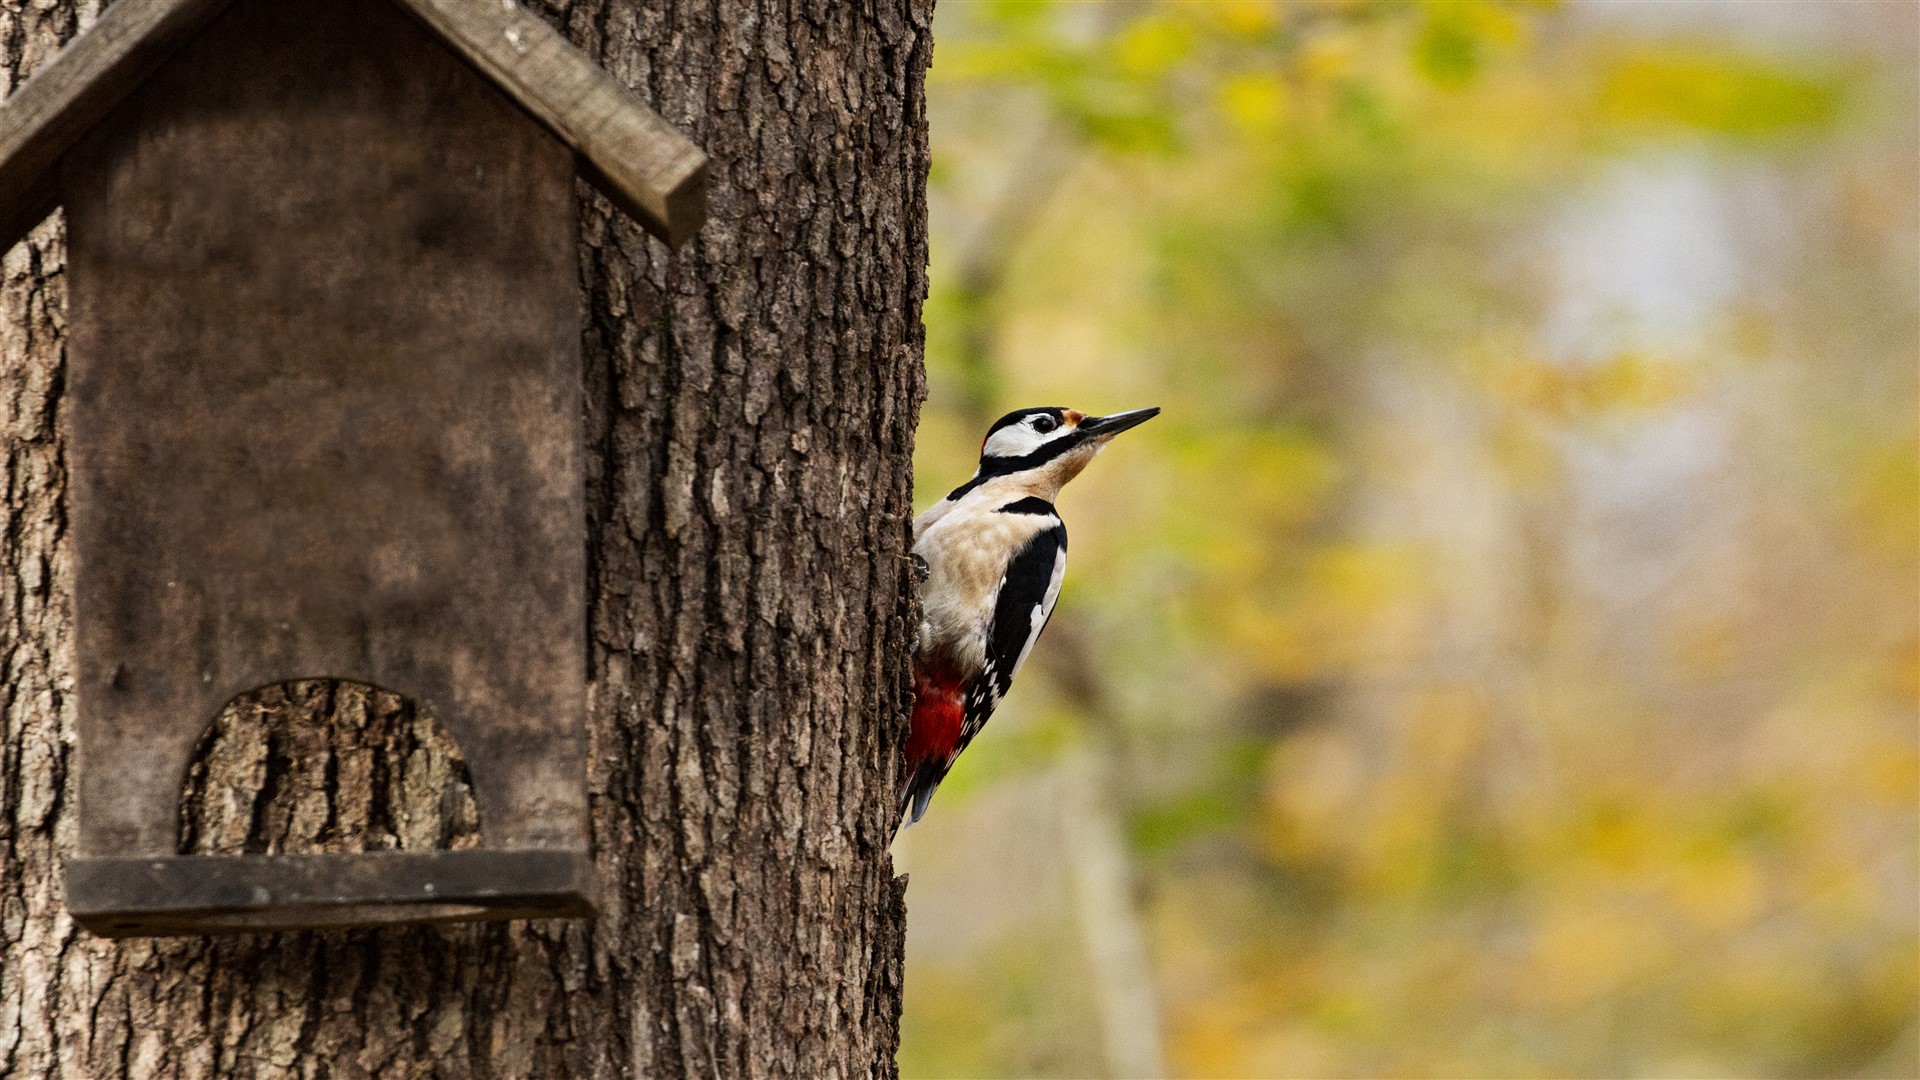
995 553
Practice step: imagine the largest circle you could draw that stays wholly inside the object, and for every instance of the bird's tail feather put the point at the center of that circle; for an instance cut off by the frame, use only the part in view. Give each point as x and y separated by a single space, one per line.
919 790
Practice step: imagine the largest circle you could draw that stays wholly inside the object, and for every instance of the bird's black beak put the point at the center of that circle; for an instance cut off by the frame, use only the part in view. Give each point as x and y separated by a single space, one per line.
1109 426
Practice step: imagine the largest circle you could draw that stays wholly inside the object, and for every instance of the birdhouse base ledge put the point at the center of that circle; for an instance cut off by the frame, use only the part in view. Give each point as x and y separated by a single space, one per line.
226 894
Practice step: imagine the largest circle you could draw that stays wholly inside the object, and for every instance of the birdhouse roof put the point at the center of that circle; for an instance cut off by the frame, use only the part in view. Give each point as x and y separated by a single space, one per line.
623 147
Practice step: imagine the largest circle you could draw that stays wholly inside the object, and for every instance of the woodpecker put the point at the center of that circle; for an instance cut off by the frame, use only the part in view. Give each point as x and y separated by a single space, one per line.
994 554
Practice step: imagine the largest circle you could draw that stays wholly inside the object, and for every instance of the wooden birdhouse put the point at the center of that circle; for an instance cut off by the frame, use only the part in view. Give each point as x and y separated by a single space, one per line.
325 417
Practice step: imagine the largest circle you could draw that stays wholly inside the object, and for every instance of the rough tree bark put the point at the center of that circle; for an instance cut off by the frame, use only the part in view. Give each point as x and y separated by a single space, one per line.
752 402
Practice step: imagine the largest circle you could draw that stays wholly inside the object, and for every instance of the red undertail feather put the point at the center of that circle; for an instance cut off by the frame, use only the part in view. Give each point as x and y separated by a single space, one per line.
934 736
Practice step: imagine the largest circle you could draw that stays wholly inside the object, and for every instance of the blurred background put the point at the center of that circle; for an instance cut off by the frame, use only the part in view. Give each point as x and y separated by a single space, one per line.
1502 657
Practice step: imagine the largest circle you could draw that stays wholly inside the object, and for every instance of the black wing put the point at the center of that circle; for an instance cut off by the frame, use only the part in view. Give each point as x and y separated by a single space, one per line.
1026 602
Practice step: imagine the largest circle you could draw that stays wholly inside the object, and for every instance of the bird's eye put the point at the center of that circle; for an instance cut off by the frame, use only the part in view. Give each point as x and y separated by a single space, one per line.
1044 424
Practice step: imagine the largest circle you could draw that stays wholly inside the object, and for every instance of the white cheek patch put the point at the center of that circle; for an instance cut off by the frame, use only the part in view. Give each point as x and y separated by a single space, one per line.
1015 440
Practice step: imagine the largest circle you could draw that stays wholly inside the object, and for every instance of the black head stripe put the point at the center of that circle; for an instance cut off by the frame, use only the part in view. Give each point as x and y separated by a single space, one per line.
1019 415
991 467
961 492
1006 466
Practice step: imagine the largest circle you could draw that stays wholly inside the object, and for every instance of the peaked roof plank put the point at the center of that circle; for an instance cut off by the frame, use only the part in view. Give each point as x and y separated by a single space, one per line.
632 155
45 116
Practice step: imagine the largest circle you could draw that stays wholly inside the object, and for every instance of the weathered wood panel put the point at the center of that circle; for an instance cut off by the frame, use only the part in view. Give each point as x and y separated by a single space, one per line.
635 158
325 379
39 123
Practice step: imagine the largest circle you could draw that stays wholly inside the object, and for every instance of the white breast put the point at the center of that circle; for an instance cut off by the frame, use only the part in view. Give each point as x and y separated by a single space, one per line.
967 548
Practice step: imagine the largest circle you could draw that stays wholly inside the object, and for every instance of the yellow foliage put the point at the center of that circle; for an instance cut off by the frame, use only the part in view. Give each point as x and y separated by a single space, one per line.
1886 499
1257 103
1630 381
1153 45
1584 951
1499 679
1330 56
1723 93
1247 18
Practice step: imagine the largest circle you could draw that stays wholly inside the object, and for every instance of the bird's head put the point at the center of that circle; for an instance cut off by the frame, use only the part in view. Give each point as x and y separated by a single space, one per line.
1049 446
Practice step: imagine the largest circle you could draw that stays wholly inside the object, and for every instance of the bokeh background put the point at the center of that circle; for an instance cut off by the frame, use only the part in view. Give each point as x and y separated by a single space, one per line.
1501 658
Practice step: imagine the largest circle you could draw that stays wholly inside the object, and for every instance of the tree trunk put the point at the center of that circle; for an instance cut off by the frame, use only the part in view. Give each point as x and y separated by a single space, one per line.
751 407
